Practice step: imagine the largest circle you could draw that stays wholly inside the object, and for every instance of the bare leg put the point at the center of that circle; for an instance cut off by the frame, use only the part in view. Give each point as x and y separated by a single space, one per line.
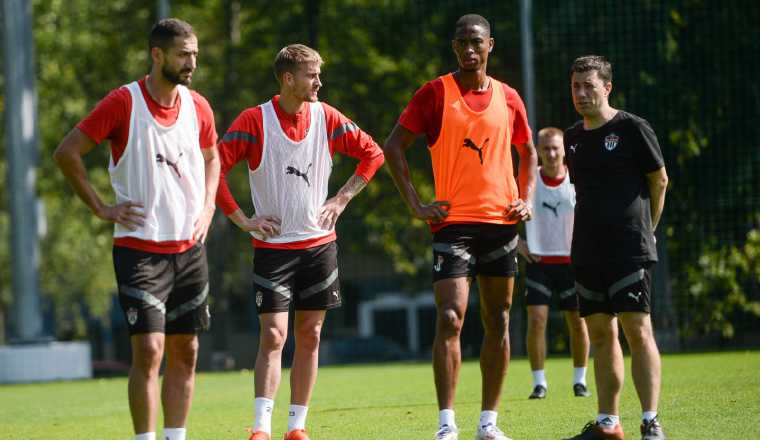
536 337
179 378
578 338
307 328
608 361
495 301
645 358
268 369
451 304
147 352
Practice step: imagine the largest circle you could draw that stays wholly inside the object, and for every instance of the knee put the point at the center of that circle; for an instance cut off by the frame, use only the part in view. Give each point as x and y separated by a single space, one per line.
639 338
449 321
147 355
272 339
496 322
307 338
184 354
602 337
537 323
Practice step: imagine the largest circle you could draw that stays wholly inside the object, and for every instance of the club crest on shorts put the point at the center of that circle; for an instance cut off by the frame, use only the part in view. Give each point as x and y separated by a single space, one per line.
438 264
611 141
132 315
208 312
259 298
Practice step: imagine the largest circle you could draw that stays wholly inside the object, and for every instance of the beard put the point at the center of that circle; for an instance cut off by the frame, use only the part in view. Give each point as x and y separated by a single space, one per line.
174 76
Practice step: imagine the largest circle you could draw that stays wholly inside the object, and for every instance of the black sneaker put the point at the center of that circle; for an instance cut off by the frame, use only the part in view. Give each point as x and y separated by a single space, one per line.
596 431
539 392
580 390
652 430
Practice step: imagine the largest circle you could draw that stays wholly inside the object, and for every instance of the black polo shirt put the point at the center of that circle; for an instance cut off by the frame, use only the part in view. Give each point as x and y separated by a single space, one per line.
608 166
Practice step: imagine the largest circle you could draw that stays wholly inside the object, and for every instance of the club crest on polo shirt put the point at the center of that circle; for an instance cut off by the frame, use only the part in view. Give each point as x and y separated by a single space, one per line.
259 298
132 315
611 141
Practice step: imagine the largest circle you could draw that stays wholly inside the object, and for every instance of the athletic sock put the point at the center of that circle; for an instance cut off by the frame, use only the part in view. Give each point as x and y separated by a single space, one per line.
487 418
297 417
262 414
539 378
446 417
174 433
146 436
648 416
607 420
579 375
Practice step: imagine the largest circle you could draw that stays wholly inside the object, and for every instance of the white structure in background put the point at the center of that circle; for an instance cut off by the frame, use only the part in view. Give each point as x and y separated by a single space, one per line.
410 305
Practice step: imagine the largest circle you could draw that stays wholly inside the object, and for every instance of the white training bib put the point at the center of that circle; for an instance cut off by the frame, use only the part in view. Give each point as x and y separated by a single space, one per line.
163 169
292 180
550 231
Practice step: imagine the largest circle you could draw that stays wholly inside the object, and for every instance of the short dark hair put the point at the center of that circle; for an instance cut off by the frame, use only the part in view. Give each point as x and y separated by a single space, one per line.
588 63
472 20
290 57
163 33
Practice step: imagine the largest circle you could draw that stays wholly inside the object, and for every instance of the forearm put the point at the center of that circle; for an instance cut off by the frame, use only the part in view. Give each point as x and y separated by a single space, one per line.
239 218
657 203
212 168
399 169
73 169
350 189
527 171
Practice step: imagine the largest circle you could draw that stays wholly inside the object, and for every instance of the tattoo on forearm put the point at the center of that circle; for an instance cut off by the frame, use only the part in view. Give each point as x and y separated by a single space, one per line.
353 186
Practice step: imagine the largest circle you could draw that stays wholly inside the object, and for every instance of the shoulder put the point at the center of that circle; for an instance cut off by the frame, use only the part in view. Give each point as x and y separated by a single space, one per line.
574 129
331 112
200 101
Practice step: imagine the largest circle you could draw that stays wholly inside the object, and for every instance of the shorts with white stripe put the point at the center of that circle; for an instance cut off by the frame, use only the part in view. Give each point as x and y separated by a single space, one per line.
468 250
542 281
164 293
613 289
307 278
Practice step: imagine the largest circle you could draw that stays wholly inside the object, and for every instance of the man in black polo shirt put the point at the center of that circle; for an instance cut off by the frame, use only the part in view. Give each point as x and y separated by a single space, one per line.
616 165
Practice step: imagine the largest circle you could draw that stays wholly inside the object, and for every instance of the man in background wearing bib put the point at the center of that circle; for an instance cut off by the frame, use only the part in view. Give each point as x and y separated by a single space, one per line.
549 272
288 144
164 171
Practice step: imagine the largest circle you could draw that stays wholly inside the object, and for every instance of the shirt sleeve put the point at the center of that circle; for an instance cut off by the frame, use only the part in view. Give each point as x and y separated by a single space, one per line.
208 136
648 153
424 112
242 141
345 137
521 132
108 116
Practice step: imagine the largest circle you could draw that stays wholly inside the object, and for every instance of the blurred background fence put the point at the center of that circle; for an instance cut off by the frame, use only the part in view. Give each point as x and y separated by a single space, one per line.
690 67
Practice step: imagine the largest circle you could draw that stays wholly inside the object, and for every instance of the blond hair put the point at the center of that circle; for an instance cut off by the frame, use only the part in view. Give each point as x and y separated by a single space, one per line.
548 133
291 56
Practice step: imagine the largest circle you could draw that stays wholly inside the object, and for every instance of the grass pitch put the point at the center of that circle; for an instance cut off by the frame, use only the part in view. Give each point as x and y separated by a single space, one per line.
704 396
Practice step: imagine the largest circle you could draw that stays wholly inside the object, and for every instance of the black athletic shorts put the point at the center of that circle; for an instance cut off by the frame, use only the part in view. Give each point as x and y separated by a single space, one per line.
468 250
622 287
308 278
165 293
543 280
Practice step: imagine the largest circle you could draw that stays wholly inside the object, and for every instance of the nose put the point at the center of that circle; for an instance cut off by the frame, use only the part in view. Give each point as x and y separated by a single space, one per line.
318 82
191 62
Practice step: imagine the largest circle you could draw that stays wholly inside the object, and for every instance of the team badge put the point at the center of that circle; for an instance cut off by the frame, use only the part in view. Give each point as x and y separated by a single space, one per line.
259 298
611 141
132 315
336 295
208 312
438 264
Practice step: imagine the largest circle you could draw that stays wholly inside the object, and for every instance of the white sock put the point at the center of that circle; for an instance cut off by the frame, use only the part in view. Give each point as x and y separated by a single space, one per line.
174 433
487 418
539 378
648 416
446 417
611 421
262 414
297 417
146 436
579 375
